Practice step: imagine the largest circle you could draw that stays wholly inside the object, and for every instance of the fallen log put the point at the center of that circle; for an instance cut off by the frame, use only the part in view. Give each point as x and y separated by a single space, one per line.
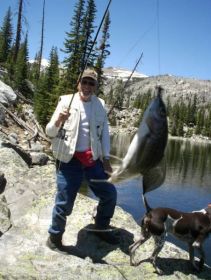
23 124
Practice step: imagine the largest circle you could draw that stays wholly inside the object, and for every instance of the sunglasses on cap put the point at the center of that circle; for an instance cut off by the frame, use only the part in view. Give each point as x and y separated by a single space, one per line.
88 83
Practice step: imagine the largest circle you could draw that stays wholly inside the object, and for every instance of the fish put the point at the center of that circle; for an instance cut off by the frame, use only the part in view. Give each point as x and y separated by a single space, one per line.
145 155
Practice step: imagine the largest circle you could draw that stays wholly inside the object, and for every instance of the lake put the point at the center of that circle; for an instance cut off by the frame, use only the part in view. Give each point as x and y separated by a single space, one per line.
187 186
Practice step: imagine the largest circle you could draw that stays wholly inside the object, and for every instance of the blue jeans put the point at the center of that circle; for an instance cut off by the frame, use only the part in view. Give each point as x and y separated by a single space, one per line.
69 179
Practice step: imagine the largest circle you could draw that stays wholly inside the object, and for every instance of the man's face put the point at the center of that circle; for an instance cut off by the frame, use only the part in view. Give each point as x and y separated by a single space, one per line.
88 86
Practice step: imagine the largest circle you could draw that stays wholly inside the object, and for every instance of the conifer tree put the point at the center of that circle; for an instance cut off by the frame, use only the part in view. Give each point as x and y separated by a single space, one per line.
21 69
6 35
34 69
41 100
103 51
47 90
72 47
19 29
87 51
199 121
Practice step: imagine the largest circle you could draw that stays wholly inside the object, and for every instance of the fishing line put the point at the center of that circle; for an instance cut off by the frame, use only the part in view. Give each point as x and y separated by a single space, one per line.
138 41
125 85
158 35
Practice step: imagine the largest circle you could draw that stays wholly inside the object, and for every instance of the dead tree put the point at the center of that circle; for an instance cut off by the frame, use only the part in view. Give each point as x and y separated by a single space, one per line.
19 29
42 39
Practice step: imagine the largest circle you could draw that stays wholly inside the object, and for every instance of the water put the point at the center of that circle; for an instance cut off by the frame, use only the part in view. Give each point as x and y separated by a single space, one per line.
187 186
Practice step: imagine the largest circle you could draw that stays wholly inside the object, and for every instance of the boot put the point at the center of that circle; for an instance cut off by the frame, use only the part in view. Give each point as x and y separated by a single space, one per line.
108 236
54 242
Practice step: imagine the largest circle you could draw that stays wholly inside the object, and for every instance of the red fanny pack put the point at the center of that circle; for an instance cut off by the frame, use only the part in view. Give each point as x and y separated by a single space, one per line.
85 157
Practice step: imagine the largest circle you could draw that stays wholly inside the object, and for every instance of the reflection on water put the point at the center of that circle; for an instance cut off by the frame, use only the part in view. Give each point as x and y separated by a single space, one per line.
189 163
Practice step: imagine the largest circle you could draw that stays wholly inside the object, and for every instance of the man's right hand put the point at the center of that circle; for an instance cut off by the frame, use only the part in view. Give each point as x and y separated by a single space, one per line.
63 116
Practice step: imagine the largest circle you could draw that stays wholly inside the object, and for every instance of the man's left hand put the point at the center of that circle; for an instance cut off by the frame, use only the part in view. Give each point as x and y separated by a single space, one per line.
107 166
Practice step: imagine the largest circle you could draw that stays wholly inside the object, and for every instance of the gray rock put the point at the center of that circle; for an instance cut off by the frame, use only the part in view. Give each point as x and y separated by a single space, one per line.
7 95
19 150
36 147
13 138
5 223
2 116
39 158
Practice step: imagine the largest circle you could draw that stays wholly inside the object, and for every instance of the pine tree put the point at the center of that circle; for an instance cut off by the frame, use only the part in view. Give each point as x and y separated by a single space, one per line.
47 90
34 71
88 53
6 35
41 101
103 51
52 72
73 47
199 121
19 29
21 69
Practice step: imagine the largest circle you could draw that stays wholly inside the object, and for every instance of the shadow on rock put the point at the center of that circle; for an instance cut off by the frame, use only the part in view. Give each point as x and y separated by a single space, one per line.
170 266
90 245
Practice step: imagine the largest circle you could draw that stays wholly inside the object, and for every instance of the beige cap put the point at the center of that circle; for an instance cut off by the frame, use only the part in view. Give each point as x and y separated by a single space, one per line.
89 73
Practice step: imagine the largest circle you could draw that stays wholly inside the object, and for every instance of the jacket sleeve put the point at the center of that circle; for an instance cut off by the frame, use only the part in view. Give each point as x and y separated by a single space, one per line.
51 129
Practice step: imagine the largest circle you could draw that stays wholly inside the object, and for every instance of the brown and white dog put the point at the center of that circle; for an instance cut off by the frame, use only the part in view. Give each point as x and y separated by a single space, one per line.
192 228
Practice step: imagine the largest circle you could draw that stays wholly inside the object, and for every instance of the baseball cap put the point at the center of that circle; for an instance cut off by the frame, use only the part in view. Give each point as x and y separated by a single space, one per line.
89 73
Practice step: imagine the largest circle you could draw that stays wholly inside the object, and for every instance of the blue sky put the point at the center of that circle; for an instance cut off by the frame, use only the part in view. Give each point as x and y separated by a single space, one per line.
174 35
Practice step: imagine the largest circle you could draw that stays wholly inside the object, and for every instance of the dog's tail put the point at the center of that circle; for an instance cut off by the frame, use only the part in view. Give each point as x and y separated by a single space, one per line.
146 205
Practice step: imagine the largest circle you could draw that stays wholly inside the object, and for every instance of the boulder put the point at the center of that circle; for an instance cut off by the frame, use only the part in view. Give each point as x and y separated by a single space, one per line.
7 95
5 222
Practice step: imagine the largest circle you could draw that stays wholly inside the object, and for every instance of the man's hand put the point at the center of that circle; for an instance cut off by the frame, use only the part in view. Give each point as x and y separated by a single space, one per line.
63 116
107 166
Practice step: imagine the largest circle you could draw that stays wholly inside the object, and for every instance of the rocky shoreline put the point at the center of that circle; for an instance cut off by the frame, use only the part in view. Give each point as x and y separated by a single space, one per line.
27 201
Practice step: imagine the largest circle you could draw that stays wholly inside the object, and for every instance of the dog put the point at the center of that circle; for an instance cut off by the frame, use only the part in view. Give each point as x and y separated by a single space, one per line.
192 228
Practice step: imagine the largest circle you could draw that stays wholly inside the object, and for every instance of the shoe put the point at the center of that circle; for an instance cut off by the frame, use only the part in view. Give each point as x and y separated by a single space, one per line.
108 236
54 242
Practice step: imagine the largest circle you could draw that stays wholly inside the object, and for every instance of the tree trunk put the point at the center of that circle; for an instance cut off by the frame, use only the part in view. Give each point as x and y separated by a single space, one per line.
19 29
42 38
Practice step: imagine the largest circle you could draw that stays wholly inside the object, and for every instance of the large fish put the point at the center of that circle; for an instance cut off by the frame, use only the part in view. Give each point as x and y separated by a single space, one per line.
145 154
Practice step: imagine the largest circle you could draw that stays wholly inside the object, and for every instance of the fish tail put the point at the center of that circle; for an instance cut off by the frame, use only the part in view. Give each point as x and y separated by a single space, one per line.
146 205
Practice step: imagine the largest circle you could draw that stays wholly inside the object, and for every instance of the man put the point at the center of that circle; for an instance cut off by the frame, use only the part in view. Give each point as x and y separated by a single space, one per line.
81 145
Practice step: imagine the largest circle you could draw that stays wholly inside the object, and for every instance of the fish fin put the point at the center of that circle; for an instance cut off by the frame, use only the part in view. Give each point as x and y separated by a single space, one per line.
154 177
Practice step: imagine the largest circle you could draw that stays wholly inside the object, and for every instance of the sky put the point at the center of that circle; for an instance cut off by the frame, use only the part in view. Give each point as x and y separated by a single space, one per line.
174 35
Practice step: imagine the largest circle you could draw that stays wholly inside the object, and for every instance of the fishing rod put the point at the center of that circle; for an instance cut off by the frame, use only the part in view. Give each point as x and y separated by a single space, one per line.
85 64
126 83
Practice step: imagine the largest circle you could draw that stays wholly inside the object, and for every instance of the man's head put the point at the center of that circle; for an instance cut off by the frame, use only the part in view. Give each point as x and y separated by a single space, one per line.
88 84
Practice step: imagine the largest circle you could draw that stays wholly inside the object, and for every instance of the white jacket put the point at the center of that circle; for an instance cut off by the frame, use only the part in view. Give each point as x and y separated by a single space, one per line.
63 149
